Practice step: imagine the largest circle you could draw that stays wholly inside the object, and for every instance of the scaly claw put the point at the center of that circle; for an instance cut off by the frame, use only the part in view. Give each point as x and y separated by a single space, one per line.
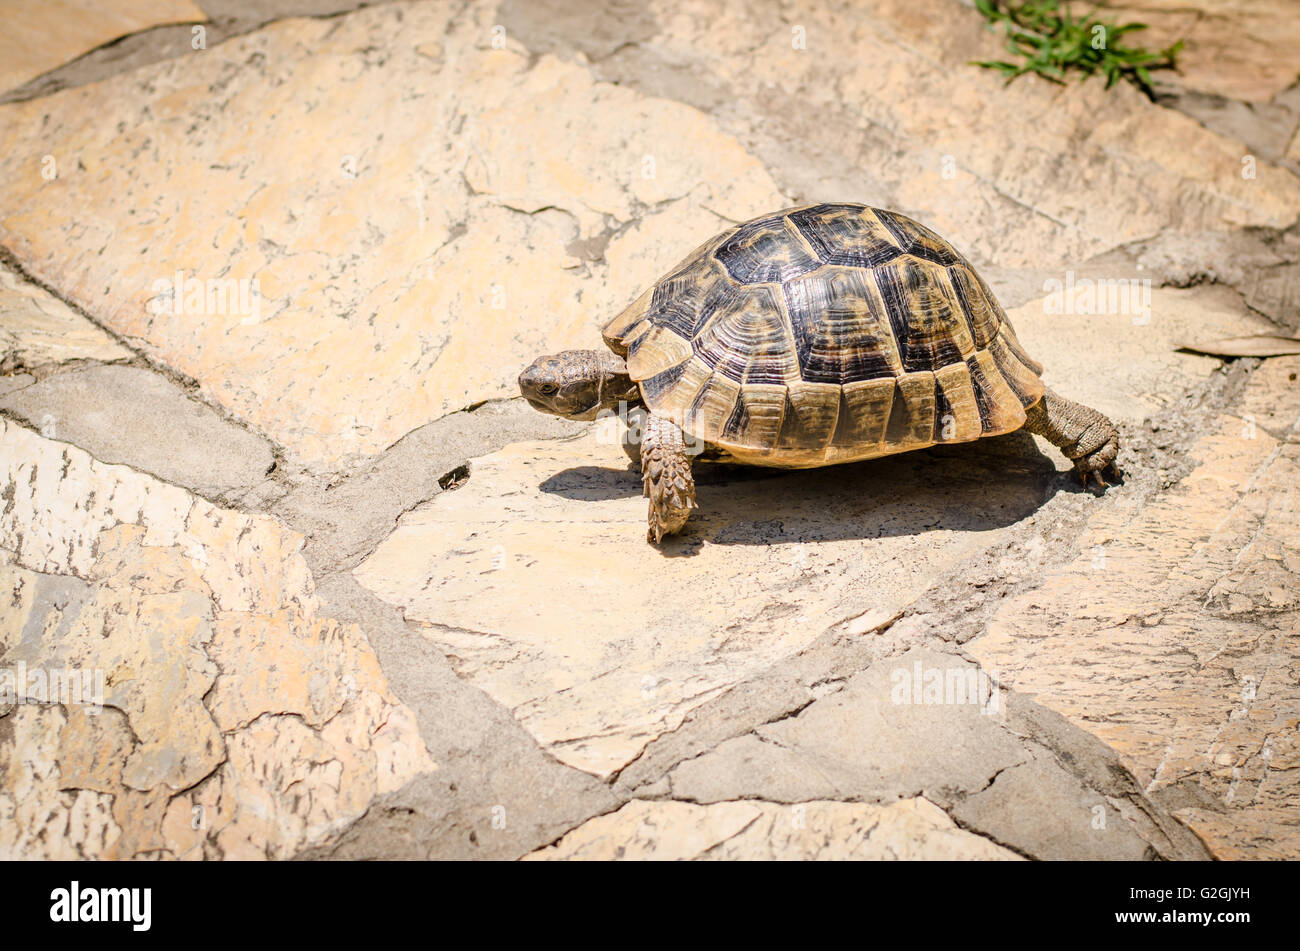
1099 476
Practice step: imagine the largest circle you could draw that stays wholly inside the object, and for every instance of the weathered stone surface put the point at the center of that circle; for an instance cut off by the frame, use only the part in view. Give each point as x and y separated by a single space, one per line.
432 259
1172 635
1039 805
426 202
911 830
344 520
1265 129
226 18
496 794
237 720
879 737
37 329
930 723
881 106
1265 268
536 580
1240 49
134 416
1120 360
41 36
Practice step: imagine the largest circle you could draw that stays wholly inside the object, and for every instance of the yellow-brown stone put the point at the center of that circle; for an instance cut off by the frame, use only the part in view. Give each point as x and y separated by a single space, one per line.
234 719
1238 49
1172 636
1029 173
43 35
908 830
37 328
404 237
536 580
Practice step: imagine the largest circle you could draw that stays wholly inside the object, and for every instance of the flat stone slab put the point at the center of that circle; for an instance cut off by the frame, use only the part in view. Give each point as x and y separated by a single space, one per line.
205 707
880 736
910 830
879 103
419 221
1171 635
514 203
37 329
1239 49
535 577
134 416
1042 808
933 724
1124 360
43 36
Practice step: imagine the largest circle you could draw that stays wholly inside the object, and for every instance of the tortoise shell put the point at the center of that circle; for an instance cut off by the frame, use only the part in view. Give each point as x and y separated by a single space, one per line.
825 334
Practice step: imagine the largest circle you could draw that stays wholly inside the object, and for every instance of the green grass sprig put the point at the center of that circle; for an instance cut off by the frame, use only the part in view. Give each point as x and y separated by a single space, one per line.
1051 42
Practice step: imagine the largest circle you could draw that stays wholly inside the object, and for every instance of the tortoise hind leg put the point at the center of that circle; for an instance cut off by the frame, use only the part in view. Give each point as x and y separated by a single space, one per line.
1080 432
666 477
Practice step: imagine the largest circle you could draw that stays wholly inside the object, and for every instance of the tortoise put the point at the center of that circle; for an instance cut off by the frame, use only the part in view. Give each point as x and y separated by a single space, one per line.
819 335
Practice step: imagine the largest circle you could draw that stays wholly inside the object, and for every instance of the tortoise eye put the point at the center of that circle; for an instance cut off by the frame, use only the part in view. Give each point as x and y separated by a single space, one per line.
548 389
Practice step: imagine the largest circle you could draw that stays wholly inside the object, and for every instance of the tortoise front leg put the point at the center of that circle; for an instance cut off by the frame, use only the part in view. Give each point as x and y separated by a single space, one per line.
1080 432
666 477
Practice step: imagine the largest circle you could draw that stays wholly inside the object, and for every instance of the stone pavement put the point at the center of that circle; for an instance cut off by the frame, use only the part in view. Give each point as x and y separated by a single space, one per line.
269 268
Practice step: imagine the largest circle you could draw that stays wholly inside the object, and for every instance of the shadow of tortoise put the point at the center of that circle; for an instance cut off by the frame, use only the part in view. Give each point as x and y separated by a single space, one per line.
968 487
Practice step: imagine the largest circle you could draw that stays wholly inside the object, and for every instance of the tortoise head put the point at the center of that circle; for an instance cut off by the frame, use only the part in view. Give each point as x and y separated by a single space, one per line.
578 384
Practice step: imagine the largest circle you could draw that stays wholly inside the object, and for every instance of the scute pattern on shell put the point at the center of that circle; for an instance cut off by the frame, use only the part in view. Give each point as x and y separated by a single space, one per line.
826 334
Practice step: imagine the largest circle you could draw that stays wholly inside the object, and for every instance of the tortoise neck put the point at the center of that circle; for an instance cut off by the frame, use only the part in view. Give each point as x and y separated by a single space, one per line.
616 385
